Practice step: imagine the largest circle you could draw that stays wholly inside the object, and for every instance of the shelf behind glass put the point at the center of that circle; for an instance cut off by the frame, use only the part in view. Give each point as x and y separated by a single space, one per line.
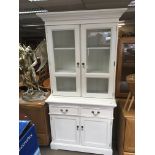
97 85
63 38
64 60
66 84
98 60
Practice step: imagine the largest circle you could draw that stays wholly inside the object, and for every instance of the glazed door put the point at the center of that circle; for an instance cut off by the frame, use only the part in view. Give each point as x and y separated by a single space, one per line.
98 58
64 59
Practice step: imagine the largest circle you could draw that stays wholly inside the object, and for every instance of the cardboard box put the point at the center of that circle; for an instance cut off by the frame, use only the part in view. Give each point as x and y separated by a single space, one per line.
28 144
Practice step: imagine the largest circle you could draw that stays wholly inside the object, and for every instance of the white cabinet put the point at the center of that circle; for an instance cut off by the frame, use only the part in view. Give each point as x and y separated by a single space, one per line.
82 51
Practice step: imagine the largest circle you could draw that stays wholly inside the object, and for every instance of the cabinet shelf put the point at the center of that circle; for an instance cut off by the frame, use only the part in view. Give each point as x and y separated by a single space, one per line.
65 48
65 74
98 75
98 48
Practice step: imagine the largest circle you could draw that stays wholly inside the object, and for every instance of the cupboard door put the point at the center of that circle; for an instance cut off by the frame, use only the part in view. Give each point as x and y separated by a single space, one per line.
98 56
65 129
96 132
64 59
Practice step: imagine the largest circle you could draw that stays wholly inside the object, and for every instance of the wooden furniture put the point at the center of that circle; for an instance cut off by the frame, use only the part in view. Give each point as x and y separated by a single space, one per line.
126 132
81 49
131 95
37 112
125 65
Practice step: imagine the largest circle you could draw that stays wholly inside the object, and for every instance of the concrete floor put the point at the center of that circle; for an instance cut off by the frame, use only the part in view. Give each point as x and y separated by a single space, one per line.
48 151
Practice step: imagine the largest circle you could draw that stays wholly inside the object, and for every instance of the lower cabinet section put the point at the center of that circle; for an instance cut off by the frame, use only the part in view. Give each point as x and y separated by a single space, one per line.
85 132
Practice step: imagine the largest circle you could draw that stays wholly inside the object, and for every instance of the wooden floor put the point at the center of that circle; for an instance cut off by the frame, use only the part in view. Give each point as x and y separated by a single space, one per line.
48 151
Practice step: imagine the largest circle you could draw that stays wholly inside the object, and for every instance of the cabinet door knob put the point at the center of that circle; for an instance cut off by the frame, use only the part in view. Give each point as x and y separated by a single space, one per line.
61 110
92 112
98 112
78 64
66 110
81 127
83 64
77 127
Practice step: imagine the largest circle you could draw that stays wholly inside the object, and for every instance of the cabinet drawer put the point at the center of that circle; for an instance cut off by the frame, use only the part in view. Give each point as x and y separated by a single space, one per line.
62 110
94 112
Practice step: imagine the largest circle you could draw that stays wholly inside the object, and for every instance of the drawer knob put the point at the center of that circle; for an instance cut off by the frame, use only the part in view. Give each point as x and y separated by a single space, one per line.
95 114
64 112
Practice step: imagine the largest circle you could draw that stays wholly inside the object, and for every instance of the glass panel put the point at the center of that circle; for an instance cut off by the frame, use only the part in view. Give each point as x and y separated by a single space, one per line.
98 50
66 84
98 60
97 85
63 38
64 60
98 38
128 65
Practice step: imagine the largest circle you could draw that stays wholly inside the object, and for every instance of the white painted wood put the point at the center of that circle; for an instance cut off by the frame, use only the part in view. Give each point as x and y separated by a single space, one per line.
81 148
82 17
64 129
53 73
109 75
95 132
60 100
97 112
81 126
63 110
80 130
94 19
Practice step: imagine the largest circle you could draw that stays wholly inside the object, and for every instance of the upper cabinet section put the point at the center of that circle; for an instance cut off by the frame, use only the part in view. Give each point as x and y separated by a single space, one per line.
82 52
